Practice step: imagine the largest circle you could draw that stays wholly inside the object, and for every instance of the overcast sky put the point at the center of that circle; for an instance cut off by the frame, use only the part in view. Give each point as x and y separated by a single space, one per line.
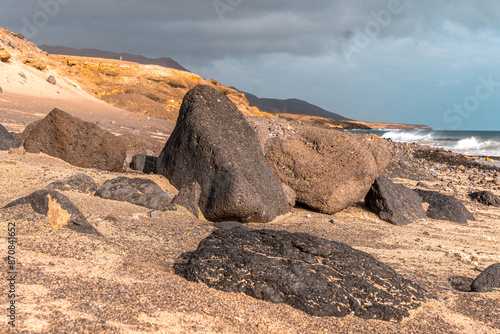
432 62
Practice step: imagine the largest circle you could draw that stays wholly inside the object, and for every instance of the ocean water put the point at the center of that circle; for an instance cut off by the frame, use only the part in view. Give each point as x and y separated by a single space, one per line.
476 143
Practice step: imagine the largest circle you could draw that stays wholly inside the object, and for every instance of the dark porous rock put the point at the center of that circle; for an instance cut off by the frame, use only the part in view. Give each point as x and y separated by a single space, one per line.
77 142
80 182
488 280
486 198
213 145
394 203
51 80
329 170
317 276
7 140
444 207
142 192
144 163
60 211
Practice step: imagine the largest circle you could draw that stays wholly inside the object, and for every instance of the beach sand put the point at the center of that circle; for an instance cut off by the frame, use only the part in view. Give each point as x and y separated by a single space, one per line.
124 282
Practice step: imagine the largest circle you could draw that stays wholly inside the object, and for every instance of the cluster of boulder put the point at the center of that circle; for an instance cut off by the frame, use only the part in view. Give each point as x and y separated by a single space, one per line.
400 205
224 172
62 213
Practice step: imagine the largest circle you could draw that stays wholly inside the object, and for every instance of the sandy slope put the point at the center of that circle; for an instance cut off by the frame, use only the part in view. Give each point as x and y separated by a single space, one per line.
26 100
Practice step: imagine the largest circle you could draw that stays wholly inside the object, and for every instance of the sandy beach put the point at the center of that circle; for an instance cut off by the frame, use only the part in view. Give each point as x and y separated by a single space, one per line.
124 282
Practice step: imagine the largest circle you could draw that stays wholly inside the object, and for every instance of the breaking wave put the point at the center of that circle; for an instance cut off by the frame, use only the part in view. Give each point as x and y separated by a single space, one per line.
477 143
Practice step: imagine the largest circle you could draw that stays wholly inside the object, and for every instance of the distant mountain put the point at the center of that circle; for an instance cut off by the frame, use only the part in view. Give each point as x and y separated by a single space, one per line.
62 50
291 106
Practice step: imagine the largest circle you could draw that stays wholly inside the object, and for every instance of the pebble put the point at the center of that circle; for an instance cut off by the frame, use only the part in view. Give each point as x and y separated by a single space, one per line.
155 214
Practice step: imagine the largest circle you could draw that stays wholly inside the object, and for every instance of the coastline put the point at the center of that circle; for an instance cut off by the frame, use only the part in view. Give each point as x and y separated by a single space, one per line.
124 280
60 267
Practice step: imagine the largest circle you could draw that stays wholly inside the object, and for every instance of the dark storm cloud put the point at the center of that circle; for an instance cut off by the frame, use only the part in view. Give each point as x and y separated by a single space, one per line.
379 60
207 30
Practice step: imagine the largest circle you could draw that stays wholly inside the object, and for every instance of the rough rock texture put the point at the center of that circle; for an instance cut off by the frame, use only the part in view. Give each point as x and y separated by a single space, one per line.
80 182
486 198
137 191
318 276
213 145
394 203
444 207
291 195
488 280
188 197
143 163
77 142
329 170
60 211
7 140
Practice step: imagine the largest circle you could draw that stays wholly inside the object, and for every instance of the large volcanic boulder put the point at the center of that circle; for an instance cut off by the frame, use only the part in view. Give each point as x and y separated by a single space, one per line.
60 211
318 276
329 170
213 145
488 280
7 140
444 207
138 191
77 142
394 203
486 198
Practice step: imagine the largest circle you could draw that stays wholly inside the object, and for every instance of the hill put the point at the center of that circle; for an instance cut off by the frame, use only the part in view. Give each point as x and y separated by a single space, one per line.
94 53
151 90
291 106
